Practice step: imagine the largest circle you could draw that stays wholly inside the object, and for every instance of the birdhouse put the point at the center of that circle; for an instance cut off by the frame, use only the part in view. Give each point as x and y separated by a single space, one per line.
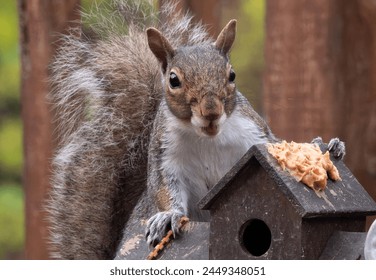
259 211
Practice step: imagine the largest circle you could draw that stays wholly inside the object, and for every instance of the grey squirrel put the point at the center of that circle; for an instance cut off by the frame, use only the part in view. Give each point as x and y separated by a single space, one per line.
148 122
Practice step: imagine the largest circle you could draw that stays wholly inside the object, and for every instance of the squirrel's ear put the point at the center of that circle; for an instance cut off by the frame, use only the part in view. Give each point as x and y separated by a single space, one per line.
159 45
226 38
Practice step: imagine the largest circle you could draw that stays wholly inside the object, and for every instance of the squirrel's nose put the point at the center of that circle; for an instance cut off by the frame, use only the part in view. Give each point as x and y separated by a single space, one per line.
211 116
211 108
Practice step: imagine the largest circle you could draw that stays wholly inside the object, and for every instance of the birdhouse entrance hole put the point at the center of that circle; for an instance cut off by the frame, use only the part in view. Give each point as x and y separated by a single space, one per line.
255 237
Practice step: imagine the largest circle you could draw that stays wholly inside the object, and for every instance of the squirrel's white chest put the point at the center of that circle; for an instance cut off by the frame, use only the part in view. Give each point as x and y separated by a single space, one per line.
200 162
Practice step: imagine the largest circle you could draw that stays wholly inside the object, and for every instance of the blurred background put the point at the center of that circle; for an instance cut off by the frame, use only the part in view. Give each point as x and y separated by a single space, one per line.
309 67
11 195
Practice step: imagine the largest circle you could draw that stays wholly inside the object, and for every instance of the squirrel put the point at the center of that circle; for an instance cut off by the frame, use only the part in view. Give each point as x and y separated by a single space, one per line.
148 121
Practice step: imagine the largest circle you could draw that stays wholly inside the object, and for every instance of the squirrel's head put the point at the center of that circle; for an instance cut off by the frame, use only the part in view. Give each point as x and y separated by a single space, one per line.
198 80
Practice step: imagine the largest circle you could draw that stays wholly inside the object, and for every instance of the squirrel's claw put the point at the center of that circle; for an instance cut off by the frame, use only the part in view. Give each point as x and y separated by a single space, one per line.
317 140
337 148
160 224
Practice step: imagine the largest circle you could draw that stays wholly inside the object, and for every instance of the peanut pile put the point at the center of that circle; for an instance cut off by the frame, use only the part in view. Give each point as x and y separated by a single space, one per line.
305 162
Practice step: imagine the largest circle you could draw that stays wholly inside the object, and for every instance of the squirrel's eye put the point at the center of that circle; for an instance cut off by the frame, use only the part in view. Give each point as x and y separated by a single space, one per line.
174 80
232 76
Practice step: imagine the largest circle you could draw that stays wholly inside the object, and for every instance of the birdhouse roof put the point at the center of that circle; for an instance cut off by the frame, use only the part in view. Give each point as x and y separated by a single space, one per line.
341 198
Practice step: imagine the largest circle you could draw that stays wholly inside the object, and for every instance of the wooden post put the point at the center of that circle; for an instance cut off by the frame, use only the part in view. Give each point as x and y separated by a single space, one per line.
40 22
320 76
299 77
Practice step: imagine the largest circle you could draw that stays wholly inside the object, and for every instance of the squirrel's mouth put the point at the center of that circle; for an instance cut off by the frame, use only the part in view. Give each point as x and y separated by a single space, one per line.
210 130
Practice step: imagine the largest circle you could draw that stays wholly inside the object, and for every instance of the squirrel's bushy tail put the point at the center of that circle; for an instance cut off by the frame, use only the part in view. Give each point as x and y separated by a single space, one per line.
106 87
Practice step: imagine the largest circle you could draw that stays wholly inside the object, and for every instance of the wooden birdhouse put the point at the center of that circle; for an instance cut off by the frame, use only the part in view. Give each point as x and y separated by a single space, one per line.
259 211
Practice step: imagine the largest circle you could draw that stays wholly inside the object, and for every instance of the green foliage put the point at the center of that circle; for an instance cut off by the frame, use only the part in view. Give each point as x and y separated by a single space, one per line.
9 61
11 194
10 149
251 35
10 125
11 219
248 54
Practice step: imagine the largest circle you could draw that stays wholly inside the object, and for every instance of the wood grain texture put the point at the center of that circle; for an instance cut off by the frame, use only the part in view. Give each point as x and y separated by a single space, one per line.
40 23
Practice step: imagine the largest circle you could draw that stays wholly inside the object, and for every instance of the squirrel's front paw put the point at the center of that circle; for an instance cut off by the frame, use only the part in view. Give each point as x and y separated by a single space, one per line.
337 148
160 224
